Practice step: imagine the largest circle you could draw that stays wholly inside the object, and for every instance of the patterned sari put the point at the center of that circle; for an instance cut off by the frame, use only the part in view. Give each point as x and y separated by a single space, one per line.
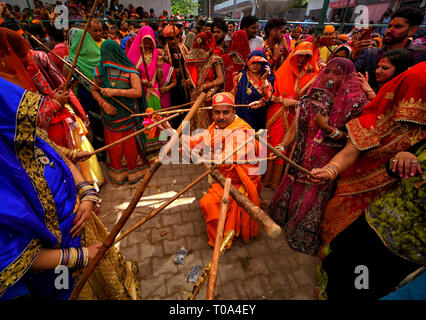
289 83
39 186
299 203
147 68
392 122
200 63
250 88
127 160
147 71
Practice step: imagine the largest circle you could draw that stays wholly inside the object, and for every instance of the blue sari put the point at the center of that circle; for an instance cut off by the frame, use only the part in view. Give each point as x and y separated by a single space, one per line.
38 198
256 118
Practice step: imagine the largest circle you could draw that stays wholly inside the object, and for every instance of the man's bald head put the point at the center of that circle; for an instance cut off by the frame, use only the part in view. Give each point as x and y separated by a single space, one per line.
95 29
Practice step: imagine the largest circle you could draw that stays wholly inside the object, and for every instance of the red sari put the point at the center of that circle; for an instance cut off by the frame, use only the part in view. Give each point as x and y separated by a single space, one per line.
236 58
200 63
392 122
289 83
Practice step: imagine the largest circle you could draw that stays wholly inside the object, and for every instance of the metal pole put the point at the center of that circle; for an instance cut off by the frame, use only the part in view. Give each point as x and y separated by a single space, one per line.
342 24
320 26
205 8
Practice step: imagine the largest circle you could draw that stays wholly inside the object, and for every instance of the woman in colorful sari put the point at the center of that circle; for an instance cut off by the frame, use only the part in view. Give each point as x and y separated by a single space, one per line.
236 58
51 224
254 86
144 54
118 78
392 122
298 204
56 116
292 80
166 78
206 73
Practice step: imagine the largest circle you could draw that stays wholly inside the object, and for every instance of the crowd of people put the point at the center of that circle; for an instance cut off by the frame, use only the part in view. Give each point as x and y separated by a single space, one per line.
349 108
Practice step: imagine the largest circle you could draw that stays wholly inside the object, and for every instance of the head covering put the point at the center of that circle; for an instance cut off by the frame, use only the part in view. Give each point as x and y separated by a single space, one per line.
13 51
240 45
206 42
223 99
255 59
289 81
89 53
343 37
329 28
345 47
348 97
236 58
113 56
170 31
135 52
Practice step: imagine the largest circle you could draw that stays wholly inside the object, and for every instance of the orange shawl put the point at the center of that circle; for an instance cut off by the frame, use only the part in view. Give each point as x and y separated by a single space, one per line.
237 219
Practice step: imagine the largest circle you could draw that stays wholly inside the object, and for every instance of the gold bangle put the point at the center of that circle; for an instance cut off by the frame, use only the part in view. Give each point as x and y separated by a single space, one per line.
329 172
73 258
336 165
60 258
85 256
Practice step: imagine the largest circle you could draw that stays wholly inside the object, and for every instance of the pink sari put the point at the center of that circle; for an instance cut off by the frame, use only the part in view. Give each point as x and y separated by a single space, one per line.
298 204
148 70
166 98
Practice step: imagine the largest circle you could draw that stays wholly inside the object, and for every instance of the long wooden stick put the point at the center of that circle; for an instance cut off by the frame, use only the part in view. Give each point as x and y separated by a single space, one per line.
167 111
281 156
177 195
74 63
78 71
126 214
211 284
271 229
201 279
133 134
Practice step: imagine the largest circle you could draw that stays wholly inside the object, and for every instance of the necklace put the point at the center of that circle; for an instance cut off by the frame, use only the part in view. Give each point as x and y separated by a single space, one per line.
249 90
148 57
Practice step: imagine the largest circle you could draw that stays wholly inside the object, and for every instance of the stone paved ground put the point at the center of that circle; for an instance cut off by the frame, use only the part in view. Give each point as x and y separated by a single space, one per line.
262 269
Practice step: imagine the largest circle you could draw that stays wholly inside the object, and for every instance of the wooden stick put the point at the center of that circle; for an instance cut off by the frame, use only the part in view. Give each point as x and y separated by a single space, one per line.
111 236
271 229
182 110
281 156
211 284
79 72
133 134
74 64
177 195
162 111
201 279
106 245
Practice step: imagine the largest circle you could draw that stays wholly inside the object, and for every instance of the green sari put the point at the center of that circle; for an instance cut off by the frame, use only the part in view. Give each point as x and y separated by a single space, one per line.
126 161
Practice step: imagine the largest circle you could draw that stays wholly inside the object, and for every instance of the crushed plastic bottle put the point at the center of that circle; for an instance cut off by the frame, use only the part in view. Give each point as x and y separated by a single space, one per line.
193 274
180 256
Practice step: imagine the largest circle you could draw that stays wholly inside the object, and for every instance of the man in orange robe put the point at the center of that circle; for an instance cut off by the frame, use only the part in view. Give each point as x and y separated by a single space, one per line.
245 177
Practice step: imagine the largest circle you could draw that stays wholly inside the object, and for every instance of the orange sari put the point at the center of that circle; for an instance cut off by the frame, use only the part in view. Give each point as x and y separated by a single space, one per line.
289 83
392 122
236 218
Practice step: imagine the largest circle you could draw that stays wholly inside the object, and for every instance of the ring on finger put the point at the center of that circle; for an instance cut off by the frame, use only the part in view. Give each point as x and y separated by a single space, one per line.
413 161
394 160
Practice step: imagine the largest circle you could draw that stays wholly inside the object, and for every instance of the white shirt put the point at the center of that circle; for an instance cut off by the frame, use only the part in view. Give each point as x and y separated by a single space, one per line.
255 43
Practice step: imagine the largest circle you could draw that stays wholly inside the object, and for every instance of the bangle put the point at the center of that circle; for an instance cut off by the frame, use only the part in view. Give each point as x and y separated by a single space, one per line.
336 166
85 256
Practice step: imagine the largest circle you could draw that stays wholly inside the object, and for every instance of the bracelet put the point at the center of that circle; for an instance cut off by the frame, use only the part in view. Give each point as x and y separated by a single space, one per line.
332 169
336 166
85 257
